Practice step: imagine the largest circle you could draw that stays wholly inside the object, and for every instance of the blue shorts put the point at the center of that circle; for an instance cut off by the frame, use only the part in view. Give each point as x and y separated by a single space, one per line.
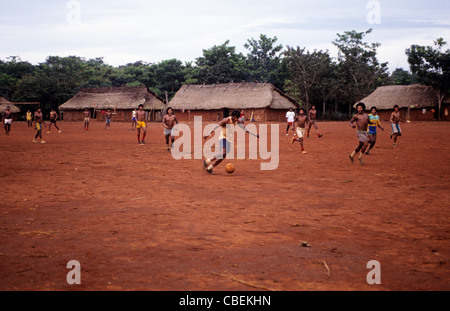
225 144
108 121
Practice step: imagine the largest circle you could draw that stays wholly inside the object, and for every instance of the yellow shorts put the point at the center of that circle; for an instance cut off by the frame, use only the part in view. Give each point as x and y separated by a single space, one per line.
38 127
141 125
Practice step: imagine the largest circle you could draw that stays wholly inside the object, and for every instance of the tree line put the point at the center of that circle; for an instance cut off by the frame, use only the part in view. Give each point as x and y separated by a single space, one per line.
310 77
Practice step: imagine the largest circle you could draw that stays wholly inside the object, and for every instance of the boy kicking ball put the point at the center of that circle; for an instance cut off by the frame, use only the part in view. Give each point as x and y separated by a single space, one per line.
226 139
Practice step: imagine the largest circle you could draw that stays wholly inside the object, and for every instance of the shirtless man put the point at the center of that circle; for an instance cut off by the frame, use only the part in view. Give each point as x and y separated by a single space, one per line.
300 128
87 115
108 116
7 119
395 124
362 121
140 119
39 120
53 118
226 139
312 116
169 122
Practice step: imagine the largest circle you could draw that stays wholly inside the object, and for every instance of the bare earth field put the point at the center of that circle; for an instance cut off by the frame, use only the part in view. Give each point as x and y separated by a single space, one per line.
136 219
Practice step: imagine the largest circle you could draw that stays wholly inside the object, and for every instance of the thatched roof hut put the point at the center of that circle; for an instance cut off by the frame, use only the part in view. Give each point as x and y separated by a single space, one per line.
263 99
122 99
417 102
5 103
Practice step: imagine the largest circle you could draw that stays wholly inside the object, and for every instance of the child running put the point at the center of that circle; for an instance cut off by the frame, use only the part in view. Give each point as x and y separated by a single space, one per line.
374 123
300 122
169 121
362 121
395 124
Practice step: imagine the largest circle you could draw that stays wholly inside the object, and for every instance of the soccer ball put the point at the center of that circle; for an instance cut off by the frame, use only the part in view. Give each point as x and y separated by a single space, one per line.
229 168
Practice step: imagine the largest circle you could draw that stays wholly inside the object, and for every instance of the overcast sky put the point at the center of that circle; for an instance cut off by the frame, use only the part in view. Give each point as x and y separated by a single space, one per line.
151 31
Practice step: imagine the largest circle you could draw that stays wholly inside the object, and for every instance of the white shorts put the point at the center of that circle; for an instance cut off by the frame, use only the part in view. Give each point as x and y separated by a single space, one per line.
7 121
301 132
170 132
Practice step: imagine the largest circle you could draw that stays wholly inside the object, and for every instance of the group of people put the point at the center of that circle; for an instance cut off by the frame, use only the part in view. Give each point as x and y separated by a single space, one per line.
301 124
37 118
367 126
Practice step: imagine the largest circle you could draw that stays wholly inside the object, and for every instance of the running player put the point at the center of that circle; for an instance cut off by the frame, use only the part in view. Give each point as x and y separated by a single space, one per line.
29 118
362 121
395 124
169 121
300 128
39 120
226 138
290 116
53 118
374 123
312 117
7 119
140 119
87 116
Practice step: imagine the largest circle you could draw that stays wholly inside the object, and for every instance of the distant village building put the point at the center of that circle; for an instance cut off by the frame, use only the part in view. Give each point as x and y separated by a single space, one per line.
416 102
213 102
4 103
122 100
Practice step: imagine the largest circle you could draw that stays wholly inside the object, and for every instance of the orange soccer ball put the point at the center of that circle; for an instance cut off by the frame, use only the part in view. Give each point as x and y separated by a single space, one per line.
229 168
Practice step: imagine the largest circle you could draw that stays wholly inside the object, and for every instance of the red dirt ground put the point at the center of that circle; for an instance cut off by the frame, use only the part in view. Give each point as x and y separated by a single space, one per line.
136 219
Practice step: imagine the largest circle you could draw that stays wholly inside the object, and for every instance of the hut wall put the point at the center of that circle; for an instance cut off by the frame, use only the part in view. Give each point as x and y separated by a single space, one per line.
276 115
72 115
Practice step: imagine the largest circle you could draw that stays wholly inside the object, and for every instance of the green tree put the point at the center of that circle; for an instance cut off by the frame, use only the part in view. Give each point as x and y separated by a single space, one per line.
401 77
263 60
221 64
170 75
358 66
431 64
307 72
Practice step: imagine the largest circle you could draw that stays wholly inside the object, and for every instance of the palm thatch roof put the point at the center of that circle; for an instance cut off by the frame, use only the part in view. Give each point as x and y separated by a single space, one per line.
120 98
5 103
231 96
412 96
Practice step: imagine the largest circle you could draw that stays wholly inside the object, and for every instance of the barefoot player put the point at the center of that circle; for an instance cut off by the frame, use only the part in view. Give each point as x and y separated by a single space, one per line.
362 122
312 117
169 122
374 123
140 119
7 119
395 124
53 118
226 138
87 116
39 121
290 116
108 117
300 128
